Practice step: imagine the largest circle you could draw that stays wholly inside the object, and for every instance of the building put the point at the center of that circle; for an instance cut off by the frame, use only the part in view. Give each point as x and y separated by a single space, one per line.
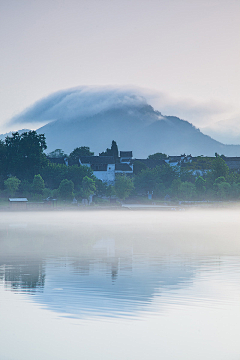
103 167
18 203
125 157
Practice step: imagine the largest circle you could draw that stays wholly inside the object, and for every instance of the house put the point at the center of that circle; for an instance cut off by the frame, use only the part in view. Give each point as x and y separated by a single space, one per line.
125 157
150 163
178 160
18 203
123 168
103 167
232 162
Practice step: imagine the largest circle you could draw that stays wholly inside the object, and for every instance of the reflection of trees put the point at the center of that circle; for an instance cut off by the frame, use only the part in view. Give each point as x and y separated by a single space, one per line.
26 274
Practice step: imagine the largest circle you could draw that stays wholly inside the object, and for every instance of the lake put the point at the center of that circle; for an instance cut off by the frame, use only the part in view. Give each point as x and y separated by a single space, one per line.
120 285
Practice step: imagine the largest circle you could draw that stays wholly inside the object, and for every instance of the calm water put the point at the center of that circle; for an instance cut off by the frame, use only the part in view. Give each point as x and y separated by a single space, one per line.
120 285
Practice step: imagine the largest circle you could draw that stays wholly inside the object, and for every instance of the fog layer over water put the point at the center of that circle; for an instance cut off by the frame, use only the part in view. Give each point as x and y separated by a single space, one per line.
178 273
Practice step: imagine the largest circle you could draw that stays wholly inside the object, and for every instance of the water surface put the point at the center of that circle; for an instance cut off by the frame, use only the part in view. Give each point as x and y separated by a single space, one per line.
120 285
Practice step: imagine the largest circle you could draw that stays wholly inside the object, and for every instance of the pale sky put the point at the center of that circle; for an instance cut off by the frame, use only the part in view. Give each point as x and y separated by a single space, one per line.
188 51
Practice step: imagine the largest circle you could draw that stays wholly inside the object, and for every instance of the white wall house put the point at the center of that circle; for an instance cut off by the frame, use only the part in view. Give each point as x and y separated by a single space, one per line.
103 167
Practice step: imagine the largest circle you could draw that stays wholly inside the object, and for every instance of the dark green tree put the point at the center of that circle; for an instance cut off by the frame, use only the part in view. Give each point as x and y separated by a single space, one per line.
24 154
138 166
57 154
111 152
123 186
158 156
77 153
38 184
65 189
12 185
200 185
88 187
219 168
187 191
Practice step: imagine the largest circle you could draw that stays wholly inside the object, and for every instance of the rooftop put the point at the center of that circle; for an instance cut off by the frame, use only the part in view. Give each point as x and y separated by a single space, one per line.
126 154
97 160
18 199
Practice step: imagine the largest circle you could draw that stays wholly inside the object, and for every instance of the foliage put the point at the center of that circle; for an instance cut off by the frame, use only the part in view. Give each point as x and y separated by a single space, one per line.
24 155
12 185
224 190
38 184
123 186
88 187
175 188
65 189
111 152
53 174
57 154
219 168
155 180
158 156
138 166
200 185
187 191
77 153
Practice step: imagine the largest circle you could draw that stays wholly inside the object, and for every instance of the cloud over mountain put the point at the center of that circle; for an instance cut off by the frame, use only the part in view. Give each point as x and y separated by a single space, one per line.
94 116
80 102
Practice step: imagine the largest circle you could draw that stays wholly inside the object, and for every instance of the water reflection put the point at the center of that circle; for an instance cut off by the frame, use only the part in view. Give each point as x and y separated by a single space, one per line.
78 266
110 286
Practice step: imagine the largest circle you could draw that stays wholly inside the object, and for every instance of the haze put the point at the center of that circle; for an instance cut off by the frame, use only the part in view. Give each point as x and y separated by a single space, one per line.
186 51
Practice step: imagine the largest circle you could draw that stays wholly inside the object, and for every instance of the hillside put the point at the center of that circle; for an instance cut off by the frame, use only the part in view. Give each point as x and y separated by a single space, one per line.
140 129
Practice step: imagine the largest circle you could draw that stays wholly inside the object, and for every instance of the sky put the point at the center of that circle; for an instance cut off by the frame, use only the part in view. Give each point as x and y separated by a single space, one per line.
183 54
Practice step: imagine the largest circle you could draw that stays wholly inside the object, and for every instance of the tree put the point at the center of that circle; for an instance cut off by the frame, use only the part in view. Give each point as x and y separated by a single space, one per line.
219 168
38 184
123 186
187 191
224 190
12 184
77 153
175 187
65 189
200 185
3 159
155 179
88 187
138 166
158 156
111 152
57 154
77 174
24 154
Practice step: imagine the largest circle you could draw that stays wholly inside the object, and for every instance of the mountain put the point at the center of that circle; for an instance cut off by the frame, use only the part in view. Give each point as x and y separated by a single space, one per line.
3 136
138 128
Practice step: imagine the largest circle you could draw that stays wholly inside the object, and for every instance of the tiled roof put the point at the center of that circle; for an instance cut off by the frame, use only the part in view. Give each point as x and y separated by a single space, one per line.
18 199
150 163
122 167
97 160
126 154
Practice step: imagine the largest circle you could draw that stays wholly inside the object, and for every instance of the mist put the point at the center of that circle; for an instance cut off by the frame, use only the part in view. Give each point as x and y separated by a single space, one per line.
76 279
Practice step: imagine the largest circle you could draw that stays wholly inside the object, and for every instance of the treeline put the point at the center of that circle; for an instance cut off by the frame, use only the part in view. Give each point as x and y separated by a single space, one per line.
203 179
25 170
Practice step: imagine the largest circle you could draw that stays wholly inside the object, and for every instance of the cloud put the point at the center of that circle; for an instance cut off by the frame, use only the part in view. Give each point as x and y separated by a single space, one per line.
200 113
79 103
84 101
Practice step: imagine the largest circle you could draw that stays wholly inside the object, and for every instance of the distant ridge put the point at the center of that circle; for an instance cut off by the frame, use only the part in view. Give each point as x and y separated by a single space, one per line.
140 129
95 115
